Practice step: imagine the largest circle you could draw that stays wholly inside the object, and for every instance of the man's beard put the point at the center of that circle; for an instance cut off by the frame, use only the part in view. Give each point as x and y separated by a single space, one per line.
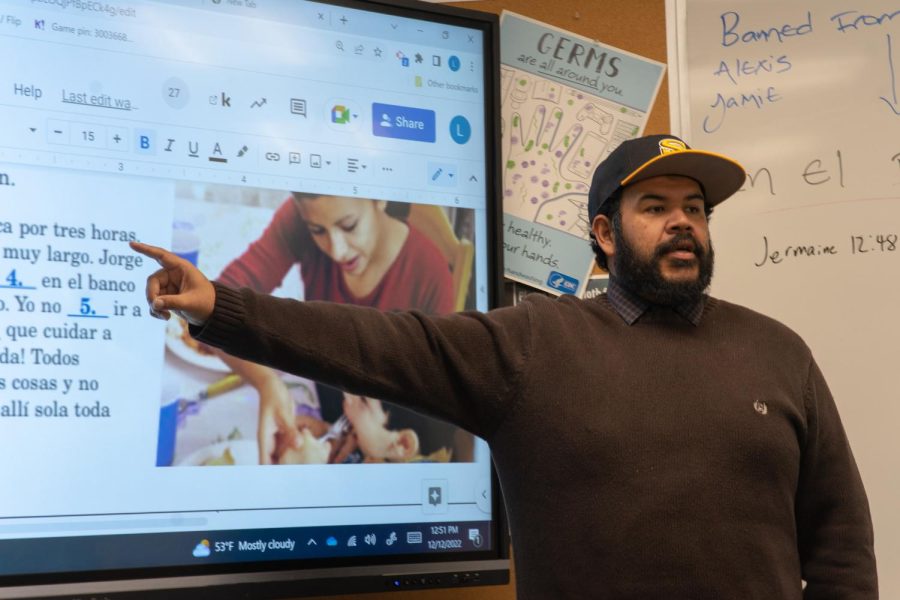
645 279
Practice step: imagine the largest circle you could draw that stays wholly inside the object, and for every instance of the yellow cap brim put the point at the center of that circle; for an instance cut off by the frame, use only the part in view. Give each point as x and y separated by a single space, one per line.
719 175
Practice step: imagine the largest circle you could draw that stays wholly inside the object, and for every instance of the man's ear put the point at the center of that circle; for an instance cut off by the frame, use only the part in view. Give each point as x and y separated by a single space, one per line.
602 229
404 445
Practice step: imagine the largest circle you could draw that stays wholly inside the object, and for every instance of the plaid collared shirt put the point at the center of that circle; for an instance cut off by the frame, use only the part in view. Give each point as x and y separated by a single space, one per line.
631 307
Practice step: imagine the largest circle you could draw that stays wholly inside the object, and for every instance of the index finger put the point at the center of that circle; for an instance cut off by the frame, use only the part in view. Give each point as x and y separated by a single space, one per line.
162 256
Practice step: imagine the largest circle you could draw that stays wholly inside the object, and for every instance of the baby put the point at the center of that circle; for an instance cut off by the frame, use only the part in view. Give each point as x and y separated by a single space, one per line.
360 435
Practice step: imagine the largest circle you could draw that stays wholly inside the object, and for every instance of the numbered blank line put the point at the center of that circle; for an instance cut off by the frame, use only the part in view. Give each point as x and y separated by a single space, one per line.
17 287
88 316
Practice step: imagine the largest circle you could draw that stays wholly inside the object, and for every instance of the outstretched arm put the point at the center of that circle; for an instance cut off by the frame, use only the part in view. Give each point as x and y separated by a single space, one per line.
464 368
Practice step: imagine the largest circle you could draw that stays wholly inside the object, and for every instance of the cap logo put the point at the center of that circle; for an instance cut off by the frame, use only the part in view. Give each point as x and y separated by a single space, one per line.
669 145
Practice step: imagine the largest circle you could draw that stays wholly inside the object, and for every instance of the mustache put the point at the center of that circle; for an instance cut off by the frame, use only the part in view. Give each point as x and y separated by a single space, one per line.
680 241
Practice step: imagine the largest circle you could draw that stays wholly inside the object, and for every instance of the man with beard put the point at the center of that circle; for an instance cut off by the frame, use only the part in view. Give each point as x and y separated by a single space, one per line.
653 442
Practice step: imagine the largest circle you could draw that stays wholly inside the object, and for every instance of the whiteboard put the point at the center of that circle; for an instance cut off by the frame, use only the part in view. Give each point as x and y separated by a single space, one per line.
805 96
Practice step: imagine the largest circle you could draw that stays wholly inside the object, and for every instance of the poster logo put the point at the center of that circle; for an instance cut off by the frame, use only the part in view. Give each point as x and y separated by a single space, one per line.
563 283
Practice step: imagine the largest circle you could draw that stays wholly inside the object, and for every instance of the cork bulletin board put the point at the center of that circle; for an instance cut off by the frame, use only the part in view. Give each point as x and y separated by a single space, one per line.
638 26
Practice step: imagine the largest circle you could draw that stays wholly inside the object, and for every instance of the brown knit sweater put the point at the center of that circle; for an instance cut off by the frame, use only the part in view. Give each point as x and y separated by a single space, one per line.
659 460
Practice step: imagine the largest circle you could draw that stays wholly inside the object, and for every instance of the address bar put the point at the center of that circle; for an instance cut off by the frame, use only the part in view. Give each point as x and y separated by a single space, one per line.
181 34
109 9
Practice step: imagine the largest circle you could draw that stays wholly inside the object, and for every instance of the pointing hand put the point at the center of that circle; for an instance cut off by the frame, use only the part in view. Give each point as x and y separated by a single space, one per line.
178 286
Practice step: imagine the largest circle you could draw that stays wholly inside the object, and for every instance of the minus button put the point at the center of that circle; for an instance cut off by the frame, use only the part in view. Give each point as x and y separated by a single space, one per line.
57 132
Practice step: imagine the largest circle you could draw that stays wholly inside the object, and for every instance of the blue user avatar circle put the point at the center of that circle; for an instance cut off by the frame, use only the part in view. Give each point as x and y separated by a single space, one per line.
453 63
460 129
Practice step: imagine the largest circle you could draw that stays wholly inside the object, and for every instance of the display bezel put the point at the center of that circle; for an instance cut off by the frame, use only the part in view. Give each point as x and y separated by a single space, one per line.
311 577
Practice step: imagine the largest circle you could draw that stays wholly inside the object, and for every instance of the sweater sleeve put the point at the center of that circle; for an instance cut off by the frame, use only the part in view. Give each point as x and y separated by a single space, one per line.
462 367
834 526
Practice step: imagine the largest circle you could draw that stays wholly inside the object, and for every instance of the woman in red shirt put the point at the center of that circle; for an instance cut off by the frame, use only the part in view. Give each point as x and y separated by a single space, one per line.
349 250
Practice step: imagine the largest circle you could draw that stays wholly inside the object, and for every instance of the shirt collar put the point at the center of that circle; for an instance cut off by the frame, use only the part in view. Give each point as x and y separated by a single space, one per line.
632 307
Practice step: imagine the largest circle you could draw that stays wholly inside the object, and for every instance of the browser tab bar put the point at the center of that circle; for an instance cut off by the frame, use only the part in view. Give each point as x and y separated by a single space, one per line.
400 111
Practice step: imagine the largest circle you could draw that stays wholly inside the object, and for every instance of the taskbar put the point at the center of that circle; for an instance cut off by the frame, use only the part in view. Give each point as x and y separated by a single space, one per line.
34 556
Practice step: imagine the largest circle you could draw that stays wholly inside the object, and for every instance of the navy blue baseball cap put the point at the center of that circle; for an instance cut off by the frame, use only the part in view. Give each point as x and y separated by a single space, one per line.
656 155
